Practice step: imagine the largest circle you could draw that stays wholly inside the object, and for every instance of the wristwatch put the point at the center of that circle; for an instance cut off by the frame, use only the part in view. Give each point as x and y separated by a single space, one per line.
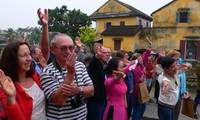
81 91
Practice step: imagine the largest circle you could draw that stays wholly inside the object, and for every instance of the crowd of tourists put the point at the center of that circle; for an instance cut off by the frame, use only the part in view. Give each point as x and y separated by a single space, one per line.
62 80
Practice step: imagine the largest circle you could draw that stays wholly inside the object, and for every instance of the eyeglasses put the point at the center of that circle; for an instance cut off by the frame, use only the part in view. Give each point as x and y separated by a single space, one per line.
25 55
126 55
66 47
106 52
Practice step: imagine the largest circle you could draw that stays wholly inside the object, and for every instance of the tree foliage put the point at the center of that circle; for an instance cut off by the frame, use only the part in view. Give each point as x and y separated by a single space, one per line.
87 35
29 34
11 35
35 36
67 21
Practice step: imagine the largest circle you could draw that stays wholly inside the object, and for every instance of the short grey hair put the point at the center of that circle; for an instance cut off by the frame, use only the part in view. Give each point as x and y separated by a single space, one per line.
55 38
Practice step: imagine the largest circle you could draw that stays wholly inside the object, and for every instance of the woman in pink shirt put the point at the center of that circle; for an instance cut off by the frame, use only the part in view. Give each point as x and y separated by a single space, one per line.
116 91
139 75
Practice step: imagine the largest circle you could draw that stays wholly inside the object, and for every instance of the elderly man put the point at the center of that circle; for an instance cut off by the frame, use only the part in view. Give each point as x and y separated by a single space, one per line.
97 103
66 82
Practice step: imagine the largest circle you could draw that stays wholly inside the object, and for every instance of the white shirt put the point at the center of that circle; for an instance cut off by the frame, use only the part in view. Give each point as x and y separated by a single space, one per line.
171 97
39 111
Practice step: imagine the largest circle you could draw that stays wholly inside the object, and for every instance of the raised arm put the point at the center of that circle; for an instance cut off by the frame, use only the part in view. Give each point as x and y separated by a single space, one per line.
44 43
12 108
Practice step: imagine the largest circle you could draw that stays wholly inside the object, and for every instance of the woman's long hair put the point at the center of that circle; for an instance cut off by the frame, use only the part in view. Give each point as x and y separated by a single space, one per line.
9 62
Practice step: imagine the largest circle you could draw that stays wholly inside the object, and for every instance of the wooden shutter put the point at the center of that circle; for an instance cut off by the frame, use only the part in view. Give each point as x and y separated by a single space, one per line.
198 49
177 17
117 44
188 17
182 48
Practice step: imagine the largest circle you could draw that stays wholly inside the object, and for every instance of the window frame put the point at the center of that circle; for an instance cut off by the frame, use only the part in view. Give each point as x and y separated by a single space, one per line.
117 43
107 24
183 16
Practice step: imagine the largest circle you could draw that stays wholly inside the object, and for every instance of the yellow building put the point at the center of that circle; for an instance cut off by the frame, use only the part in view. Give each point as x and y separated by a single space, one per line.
118 25
177 26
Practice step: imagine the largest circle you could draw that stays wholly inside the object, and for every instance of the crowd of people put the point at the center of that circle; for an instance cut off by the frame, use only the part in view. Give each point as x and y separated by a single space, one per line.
60 80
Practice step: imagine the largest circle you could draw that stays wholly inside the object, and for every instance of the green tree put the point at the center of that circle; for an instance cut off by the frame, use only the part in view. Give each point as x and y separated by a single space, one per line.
11 35
77 19
58 21
67 21
35 36
87 35
20 33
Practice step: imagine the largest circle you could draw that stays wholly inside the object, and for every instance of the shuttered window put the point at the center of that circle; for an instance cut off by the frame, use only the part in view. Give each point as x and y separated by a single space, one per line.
182 16
122 23
107 24
117 43
190 48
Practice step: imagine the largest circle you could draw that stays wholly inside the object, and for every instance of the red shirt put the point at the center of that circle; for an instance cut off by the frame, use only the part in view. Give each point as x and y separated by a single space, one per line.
22 109
149 68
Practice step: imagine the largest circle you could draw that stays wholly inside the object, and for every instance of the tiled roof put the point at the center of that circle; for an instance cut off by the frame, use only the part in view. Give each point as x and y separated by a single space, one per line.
133 12
122 30
136 12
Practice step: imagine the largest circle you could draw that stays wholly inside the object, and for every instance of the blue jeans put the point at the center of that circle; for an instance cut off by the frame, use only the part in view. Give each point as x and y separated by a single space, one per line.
165 113
138 109
149 83
177 109
196 100
129 103
95 110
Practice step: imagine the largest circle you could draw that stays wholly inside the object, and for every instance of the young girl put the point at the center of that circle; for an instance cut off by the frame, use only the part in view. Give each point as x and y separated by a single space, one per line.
116 91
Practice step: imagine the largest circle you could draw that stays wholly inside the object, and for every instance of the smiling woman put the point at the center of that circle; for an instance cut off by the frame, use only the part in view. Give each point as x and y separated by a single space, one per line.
20 84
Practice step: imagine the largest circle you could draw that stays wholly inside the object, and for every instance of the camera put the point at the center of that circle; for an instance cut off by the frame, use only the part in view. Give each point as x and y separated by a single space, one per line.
78 101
